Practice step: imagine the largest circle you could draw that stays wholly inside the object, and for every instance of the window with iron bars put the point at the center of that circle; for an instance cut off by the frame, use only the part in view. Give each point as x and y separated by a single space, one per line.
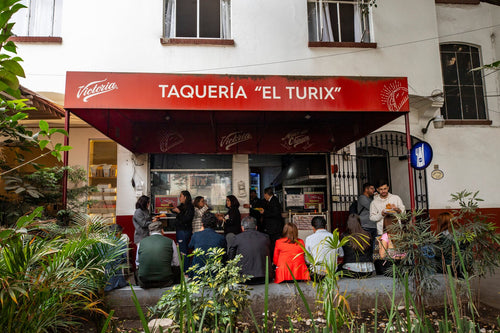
197 19
339 21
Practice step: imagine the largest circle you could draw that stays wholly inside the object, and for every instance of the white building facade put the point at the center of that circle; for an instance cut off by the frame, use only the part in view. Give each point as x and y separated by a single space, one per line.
432 45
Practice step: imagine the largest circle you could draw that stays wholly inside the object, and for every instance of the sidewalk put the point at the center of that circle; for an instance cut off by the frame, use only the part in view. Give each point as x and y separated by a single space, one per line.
283 298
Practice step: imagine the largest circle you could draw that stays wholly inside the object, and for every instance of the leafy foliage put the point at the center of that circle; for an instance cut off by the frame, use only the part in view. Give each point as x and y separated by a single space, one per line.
44 188
50 276
328 295
478 239
417 241
13 111
214 298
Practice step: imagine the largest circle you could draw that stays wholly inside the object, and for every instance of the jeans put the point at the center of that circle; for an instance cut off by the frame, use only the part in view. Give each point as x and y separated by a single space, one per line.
373 235
183 237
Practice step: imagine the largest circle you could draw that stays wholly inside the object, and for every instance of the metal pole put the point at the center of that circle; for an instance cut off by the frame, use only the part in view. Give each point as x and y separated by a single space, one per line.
410 170
65 162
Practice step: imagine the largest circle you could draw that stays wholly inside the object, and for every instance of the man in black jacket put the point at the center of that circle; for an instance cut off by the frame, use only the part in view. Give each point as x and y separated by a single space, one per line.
254 246
272 219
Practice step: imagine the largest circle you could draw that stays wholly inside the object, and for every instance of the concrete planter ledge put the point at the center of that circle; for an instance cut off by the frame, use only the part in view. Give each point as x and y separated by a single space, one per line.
284 298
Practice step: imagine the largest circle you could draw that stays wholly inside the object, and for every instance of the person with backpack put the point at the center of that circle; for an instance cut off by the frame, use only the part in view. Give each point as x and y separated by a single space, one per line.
363 210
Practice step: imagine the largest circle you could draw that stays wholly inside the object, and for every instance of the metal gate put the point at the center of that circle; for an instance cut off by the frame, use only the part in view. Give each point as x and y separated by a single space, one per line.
371 162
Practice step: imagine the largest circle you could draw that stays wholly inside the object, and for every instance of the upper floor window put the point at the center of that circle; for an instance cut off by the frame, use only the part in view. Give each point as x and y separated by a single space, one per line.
463 88
338 21
41 18
198 19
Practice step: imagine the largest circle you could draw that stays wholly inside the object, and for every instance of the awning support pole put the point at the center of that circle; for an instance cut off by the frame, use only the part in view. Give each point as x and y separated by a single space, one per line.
410 170
65 162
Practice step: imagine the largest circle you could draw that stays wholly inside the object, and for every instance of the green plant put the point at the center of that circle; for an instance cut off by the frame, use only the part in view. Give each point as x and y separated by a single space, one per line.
213 298
12 109
50 277
414 238
44 188
334 303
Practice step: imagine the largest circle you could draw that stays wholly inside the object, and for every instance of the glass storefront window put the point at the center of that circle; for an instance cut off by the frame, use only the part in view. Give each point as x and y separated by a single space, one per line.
209 176
213 185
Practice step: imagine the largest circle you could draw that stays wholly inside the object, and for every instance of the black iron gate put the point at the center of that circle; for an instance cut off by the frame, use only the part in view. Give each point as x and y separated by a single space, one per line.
371 162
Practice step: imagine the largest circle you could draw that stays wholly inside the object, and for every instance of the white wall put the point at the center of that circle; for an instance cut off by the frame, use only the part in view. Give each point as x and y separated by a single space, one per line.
270 38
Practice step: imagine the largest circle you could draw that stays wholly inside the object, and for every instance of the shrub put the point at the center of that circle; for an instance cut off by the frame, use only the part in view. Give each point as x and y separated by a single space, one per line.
214 298
50 276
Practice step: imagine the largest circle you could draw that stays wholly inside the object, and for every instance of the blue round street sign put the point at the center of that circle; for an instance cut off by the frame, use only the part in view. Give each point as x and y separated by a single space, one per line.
420 155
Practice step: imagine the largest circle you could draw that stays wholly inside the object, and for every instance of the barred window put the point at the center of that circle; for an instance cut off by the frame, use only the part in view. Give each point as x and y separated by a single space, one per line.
338 21
463 88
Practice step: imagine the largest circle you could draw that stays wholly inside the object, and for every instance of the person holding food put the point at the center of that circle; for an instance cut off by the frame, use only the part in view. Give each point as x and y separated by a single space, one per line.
232 219
384 204
142 218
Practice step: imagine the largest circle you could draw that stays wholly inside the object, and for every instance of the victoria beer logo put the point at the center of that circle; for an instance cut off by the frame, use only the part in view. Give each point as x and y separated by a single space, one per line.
95 88
234 138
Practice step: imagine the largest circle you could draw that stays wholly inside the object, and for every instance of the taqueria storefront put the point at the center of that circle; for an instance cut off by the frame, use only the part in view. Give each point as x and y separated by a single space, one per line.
216 135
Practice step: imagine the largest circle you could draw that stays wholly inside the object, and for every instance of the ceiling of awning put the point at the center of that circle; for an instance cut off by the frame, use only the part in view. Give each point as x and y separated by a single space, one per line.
229 132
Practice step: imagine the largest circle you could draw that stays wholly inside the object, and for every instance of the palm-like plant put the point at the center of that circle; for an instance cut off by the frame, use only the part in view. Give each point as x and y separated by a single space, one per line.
50 277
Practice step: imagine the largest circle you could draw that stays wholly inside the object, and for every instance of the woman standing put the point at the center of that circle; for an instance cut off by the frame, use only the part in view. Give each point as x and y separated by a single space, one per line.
200 208
142 218
289 254
358 252
184 224
232 219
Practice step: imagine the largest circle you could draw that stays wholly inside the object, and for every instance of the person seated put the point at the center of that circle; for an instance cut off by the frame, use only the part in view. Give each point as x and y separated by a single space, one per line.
445 247
254 246
289 256
321 248
358 251
114 269
158 259
205 239
387 252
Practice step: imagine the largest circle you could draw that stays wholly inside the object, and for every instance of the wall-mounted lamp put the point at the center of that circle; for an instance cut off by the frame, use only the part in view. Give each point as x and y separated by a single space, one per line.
307 116
437 121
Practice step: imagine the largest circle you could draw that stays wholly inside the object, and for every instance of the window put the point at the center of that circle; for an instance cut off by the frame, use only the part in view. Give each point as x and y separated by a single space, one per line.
338 21
198 19
463 88
41 18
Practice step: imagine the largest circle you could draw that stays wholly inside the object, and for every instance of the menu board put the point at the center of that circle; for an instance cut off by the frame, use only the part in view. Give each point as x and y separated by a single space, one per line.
303 222
312 200
294 200
163 203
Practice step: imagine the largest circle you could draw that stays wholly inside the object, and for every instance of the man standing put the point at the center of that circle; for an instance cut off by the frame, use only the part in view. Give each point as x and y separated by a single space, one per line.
320 246
384 204
255 204
254 246
272 219
158 259
364 202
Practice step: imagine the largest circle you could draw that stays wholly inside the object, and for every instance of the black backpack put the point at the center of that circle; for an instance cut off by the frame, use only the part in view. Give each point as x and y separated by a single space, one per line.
353 208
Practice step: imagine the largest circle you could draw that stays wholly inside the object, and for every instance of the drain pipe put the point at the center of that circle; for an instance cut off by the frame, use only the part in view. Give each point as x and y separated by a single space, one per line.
410 170
65 162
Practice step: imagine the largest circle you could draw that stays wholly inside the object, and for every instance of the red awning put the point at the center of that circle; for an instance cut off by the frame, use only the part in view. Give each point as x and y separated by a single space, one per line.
170 113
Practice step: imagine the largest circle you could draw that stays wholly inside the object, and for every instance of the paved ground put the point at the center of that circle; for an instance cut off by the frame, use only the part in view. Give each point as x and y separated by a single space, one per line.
285 298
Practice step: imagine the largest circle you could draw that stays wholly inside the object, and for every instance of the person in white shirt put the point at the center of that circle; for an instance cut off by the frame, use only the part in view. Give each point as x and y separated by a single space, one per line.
383 204
321 248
